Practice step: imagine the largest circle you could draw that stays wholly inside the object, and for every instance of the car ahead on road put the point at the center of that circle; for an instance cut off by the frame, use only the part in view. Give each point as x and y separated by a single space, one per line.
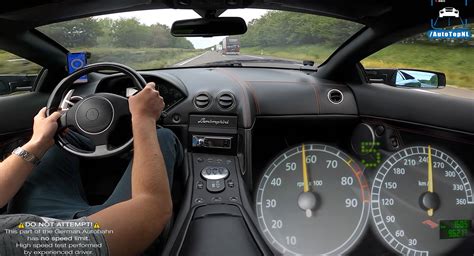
312 141
449 12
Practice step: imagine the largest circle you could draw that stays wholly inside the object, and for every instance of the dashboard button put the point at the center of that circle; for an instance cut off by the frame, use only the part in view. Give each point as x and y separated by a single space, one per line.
379 130
176 118
216 199
215 186
200 185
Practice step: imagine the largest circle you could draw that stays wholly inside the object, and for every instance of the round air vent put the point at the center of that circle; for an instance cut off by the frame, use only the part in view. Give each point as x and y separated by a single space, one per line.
202 100
335 96
226 100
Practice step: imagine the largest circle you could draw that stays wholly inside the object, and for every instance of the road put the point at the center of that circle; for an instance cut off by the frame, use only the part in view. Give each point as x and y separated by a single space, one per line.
457 92
211 56
451 91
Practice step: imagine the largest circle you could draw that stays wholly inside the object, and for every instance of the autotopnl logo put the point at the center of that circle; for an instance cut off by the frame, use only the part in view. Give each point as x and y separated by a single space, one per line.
449 22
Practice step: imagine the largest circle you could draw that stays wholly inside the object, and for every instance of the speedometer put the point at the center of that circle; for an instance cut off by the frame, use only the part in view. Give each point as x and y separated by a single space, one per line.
313 199
422 201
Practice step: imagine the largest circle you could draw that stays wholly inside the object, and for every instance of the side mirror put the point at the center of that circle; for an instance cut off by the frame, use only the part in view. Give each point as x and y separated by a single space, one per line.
411 78
208 27
419 79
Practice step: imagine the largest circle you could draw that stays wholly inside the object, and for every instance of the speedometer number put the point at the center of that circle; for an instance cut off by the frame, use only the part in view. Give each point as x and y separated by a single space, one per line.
413 191
290 166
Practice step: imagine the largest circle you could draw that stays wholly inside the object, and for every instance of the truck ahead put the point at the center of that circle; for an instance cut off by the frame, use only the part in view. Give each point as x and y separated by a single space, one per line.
231 45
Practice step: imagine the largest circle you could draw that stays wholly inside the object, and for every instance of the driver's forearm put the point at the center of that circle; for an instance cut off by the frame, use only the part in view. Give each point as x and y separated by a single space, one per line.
149 176
14 171
138 222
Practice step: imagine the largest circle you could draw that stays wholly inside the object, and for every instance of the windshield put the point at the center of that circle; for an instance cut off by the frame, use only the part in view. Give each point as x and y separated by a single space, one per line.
142 39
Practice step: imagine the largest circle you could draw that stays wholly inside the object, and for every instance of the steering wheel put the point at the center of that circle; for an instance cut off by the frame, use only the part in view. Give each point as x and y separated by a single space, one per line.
95 117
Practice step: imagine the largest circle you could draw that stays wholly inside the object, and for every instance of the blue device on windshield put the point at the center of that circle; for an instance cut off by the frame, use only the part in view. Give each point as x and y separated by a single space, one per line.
75 61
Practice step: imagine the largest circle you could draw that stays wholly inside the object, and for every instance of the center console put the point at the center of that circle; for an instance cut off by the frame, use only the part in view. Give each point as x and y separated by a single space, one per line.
216 217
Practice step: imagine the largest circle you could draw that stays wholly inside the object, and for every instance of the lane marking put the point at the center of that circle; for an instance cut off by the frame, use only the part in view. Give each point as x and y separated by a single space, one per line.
253 56
189 60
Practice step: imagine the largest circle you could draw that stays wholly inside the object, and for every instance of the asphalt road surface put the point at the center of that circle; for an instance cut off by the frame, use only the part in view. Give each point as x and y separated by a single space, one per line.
211 56
451 91
457 92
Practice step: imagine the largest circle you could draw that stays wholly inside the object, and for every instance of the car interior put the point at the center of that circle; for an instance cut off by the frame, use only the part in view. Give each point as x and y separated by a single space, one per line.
325 158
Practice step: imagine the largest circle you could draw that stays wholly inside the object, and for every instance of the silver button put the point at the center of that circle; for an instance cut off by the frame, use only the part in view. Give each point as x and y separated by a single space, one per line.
214 173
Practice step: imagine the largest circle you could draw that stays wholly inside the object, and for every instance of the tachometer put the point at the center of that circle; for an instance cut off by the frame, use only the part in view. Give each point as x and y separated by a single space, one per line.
313 199
422 201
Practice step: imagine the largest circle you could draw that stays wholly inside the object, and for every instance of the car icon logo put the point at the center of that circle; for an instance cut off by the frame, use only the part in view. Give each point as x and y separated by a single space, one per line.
449 12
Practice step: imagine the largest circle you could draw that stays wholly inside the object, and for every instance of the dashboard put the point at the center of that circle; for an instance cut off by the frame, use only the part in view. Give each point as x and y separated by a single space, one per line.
295 165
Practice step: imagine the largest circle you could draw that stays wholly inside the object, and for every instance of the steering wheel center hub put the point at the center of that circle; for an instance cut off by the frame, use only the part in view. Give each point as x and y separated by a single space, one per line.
94 115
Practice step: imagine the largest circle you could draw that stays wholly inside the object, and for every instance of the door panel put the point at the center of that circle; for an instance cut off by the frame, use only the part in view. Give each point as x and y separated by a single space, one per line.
17 112
16 83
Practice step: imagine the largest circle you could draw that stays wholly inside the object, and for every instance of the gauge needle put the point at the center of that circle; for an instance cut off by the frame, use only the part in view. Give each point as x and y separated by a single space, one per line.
309 213
430 178
305 171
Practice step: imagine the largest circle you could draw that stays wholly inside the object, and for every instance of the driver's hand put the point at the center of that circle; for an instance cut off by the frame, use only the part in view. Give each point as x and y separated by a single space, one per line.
44 129
146 104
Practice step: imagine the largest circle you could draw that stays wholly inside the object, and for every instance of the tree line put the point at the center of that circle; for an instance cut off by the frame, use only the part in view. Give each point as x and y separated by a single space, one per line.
106 32
277 28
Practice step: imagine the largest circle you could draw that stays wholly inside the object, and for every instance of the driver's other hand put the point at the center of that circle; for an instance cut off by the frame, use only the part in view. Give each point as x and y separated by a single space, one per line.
147 103
44 128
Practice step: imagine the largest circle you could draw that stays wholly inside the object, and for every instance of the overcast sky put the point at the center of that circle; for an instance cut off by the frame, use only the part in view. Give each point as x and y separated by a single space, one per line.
167 17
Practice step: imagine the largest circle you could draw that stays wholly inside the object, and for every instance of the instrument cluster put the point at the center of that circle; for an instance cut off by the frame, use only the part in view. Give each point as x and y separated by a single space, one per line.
321 199
123 86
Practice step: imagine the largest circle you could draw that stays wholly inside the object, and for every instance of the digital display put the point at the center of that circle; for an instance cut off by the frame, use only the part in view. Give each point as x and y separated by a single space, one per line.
451 229
371 149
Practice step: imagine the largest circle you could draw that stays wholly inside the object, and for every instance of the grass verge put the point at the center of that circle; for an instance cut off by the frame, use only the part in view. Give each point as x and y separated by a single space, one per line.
317 53
143 58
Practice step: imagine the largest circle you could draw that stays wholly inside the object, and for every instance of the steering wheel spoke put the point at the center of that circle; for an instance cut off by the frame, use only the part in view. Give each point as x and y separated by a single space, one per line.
62 121
101 149
100 139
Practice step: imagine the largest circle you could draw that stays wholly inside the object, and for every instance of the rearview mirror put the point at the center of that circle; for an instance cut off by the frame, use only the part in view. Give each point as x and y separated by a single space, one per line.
208 27
411 78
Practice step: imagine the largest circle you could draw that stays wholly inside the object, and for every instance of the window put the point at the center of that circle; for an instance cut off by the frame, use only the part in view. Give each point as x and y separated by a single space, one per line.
142 39
453 57
17 74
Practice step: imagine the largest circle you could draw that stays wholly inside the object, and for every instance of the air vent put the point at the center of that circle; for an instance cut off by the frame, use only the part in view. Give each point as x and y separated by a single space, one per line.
226 100
202 100
335 96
